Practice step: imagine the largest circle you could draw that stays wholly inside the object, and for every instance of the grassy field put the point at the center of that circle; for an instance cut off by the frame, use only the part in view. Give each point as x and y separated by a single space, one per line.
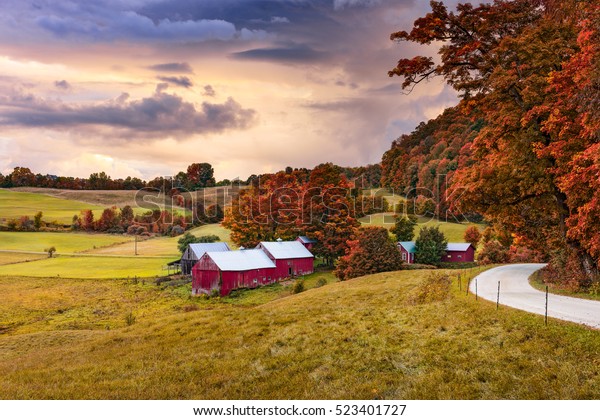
162 246
88 267
66 242
453 231
18 257
368 338
16 204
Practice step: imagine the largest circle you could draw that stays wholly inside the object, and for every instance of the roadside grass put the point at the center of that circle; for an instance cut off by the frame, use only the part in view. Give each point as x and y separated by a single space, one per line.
18 257
162 246
88 267
15 204
537 282
454 231
367 338
65 242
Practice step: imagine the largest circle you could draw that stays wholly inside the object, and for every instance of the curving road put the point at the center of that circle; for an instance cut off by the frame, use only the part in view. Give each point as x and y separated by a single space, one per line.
516 292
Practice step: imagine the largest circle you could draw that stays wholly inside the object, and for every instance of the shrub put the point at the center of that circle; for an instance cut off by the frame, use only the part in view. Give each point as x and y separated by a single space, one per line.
215 293
321 281
298 286
434 288
130 319
493 252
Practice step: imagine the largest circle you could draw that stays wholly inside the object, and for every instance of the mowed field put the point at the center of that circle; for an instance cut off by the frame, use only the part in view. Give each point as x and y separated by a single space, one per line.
367 338
454 231
15 204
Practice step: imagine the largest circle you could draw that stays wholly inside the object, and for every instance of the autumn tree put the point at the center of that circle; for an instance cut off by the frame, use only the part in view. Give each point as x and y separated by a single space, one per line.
200 175
472 235
371 252
404 228
430 246
530 67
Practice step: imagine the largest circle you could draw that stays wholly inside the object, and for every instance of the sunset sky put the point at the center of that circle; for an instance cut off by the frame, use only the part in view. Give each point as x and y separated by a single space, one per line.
146 87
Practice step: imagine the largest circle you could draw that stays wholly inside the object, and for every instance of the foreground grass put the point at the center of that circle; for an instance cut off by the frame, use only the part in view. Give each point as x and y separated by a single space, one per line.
87 267
66 242
364 338
454 232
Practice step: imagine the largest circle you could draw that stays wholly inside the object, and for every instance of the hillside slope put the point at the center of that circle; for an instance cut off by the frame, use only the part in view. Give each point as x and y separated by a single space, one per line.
365 338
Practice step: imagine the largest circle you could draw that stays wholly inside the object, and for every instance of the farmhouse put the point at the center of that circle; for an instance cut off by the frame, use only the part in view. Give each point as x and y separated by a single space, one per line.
307 242
226 271
195 251
455 252
291 257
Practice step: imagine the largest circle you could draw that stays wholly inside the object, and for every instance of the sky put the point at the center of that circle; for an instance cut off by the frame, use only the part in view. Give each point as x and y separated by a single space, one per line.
145 87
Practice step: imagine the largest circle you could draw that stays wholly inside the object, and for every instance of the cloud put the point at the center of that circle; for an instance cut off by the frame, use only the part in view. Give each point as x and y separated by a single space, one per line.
209 91
343 4
172 68
279 19
159 115
294 54
182 81
62 84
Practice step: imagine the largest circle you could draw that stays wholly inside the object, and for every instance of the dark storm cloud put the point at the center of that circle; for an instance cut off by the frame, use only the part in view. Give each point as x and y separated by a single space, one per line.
159 115
182 81
173 68
300 53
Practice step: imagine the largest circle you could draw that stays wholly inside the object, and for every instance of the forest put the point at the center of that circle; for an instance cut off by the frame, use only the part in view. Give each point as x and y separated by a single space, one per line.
522 146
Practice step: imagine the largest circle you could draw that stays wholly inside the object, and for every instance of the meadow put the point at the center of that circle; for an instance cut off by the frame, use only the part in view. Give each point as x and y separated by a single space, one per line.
368 338
454 231
88 267
64 242
15 204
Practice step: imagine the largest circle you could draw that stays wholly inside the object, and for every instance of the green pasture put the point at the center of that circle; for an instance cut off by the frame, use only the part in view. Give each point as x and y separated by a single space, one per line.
88 267
64 242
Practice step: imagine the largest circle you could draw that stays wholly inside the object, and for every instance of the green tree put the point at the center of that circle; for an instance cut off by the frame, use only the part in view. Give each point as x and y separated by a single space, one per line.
37 220
404 228
371 252
185 240
430 246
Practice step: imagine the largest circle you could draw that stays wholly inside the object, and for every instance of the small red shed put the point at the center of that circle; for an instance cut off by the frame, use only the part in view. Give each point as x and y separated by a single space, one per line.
226 271
291 257
459 252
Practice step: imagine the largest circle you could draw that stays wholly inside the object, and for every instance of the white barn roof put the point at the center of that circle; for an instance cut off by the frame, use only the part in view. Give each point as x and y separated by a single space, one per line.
199 249
242 260
457 246
282 250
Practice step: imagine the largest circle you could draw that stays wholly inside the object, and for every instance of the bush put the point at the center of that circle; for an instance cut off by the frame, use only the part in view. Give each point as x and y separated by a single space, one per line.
435 288
493 252
130 319
321 281
298 286
215 293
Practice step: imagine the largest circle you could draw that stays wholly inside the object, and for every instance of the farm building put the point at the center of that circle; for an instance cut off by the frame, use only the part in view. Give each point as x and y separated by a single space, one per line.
307 242
407 250
291 257
226 271
459 252
455 252
195 251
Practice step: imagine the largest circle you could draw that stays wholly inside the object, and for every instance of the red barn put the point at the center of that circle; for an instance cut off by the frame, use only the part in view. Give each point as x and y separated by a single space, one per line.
226 271
291 257
307 242
459 252
455 252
